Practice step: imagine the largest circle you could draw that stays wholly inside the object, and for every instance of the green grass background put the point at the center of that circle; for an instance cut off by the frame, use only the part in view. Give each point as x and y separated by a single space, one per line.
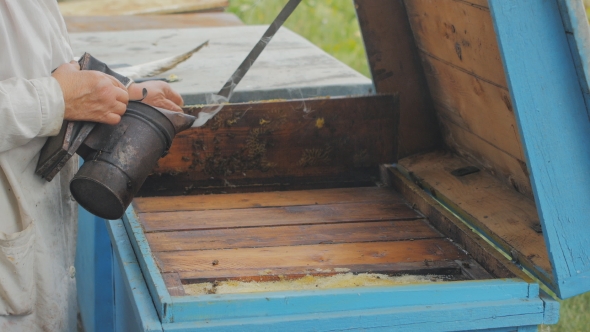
332 25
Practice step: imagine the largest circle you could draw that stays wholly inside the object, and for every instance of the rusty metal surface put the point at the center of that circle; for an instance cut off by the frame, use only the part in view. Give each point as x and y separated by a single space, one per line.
117 159
142 22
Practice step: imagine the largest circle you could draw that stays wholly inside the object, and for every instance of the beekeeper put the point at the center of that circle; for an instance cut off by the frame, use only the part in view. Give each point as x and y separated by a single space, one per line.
38 218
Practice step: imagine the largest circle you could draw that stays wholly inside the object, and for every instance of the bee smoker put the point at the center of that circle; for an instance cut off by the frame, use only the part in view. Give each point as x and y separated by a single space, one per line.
117 158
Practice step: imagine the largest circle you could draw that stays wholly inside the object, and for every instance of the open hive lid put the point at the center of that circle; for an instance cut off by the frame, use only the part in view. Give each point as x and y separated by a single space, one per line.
501 84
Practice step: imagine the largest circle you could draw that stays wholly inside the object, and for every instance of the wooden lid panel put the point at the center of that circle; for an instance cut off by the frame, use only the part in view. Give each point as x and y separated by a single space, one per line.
321 256
285 235
287 215
330 141
265 199
295 235
509 218
463 78
465 75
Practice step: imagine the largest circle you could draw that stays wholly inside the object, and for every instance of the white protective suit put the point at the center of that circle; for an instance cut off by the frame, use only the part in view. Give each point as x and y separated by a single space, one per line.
37 218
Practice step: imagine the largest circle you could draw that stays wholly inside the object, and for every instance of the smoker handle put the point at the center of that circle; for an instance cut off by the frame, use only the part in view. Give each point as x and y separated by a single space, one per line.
59 149
88 62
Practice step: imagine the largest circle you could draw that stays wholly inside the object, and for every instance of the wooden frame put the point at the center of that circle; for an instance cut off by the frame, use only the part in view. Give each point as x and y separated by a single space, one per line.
512 302
529 128
558 160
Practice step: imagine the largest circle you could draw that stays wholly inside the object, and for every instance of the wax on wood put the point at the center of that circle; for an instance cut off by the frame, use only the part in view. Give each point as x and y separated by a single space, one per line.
279 143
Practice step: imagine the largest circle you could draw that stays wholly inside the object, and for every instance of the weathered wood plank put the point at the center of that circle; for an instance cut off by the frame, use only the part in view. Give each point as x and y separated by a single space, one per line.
309 256
265 199
472 270
448 268
142 22
301 137
137 7
508 217
483 4
459 34
291 235
450 226
182 184
482 108
173 284
322 138
555 130
513 172
396 68
467 82
275 216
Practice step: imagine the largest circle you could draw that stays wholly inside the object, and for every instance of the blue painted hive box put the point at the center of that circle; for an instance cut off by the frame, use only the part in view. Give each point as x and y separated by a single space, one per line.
417 209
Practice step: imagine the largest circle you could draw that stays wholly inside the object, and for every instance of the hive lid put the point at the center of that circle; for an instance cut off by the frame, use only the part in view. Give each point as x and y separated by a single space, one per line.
550 99
543 50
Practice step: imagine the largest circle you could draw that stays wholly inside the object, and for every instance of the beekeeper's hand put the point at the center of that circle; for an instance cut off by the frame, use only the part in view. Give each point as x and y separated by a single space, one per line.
91 95
159 94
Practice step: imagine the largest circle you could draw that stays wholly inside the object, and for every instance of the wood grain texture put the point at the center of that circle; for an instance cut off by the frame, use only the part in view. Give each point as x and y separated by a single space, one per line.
482 4
472 270
265 199
460 34
318 256
466 79
449 268
137 7
477 106
511 171
396 68
173 284
281 141
273 216
555 131
141 22
290 235
449 225
508 217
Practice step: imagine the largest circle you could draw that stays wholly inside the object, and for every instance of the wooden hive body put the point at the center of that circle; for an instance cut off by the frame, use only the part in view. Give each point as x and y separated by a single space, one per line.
456 165
501 104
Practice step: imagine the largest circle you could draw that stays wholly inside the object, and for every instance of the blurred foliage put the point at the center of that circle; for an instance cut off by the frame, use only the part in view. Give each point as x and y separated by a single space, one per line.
329 24
575 315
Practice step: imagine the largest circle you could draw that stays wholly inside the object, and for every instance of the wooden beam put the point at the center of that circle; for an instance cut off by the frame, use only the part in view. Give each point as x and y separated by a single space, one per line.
316 256
273 216
343 139
265 199
449 225
396 68
507 217
276 236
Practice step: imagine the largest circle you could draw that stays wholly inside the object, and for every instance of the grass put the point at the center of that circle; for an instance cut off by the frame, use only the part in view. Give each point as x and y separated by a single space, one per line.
332 25
329 24
574 315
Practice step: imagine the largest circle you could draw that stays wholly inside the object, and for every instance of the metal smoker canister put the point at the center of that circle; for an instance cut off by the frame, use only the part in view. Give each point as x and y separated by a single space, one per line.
118 159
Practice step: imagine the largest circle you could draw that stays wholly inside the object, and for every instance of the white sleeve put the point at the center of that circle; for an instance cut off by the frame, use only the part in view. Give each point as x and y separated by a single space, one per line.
28 109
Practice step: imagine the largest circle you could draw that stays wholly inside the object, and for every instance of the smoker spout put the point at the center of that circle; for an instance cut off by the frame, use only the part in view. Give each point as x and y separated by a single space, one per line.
179 120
